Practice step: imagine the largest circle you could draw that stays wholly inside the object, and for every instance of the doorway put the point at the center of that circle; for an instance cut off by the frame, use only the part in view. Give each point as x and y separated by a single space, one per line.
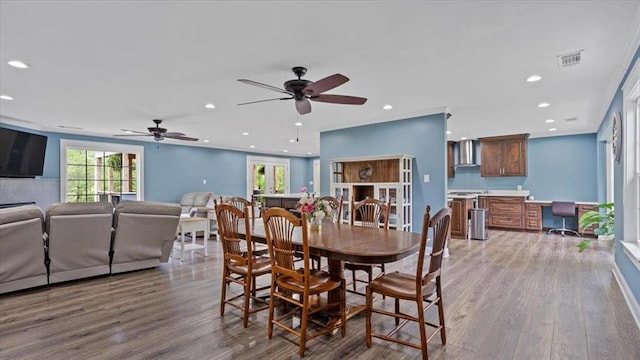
267 176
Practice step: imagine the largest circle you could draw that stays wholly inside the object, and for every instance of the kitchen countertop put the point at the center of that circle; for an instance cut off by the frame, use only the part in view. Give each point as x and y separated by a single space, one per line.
472 194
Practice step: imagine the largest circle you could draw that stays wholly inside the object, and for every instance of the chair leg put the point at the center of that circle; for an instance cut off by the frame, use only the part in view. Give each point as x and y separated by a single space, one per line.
303 324
253 289
223 293
368 316
247 297
423 331
271 307
343 306
443 334
397 311
353 274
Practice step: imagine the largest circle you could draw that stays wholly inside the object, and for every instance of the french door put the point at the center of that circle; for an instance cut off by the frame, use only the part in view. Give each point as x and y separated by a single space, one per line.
267 175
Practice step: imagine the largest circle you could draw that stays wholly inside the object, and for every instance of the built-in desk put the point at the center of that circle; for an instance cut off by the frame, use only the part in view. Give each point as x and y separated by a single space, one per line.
533 213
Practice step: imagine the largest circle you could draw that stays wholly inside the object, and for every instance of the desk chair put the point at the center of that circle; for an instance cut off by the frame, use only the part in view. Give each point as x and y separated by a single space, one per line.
564 209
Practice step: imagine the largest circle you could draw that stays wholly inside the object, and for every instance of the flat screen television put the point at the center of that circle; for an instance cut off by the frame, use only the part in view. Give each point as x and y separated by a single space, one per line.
21 153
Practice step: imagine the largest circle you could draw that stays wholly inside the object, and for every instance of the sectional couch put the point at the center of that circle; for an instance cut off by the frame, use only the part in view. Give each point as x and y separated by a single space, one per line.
79 240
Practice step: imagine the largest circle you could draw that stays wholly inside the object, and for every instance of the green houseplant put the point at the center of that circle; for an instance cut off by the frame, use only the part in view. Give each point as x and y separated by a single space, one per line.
603 219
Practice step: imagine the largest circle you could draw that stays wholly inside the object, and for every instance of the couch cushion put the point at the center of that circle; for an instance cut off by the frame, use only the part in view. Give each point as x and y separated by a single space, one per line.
19 213
202 198
187 199
145 207
56 209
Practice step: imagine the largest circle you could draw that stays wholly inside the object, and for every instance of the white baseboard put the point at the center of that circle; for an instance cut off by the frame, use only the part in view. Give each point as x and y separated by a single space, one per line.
628 295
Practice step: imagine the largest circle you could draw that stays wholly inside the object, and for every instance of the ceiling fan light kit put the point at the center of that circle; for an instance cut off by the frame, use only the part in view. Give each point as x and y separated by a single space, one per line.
302 91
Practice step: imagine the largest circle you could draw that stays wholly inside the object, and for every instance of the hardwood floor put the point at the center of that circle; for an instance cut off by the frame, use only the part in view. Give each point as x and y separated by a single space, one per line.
516 296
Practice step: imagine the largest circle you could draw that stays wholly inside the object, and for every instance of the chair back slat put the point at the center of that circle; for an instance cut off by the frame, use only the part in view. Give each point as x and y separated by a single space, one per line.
336 205
440 224
242 203
373 213
280 225
234 246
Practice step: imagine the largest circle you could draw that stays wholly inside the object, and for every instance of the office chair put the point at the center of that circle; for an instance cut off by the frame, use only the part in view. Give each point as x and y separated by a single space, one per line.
564 209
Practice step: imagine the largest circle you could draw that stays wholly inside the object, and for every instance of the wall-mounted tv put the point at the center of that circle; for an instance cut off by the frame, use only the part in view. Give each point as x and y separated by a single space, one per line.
21 153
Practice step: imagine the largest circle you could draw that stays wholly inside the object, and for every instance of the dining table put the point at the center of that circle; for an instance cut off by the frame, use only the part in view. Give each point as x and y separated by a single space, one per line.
343 242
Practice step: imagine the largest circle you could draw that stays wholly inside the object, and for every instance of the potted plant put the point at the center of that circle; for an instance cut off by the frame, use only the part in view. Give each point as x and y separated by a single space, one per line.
603 220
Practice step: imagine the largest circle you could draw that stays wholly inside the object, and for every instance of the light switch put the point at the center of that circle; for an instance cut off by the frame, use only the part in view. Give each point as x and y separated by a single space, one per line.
426 178
204 181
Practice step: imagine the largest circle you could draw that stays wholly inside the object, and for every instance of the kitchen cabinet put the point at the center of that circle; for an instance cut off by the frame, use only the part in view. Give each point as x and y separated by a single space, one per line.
459 216
533 216
451 172
483 202
503 155
506 212
386 178
583 208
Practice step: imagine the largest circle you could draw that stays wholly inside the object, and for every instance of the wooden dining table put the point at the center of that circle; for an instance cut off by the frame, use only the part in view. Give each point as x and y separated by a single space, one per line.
344 242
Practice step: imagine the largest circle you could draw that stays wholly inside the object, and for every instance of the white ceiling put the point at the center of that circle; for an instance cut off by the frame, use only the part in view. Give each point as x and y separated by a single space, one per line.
107 65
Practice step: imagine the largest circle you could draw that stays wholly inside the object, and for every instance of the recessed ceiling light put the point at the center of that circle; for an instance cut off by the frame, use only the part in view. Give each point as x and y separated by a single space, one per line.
298 123
18 64
387 107
549 121
6 97
543 105
553 129
210 106
245 133
448 132
128 131
205 140
309 153
463 138
252 146
534 78
292 140
285 150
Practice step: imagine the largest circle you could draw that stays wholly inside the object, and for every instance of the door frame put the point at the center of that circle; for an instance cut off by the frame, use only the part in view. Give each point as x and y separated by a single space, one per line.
253 160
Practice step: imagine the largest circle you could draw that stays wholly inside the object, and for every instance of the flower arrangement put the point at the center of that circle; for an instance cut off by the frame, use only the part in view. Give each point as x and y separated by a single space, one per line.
315 208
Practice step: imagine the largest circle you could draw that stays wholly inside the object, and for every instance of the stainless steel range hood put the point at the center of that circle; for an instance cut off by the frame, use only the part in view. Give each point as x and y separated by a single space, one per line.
466 153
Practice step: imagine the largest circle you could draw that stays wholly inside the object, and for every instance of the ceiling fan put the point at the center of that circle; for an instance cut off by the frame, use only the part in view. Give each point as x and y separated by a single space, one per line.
159 133
304 90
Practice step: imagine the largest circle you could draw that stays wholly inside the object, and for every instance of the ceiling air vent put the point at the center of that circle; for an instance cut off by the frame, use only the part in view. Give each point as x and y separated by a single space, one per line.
571 119
569 59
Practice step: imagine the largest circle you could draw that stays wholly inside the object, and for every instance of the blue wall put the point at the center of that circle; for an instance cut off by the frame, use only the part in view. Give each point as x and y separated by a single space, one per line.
423 137
172 170
627 268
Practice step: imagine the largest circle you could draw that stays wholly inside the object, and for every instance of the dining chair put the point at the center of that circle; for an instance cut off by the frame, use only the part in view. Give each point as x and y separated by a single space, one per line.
336 204
416 287
308 284
241 203
371 213
241 266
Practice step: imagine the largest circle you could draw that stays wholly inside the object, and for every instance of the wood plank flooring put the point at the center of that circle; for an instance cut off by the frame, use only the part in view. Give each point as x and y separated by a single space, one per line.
516 296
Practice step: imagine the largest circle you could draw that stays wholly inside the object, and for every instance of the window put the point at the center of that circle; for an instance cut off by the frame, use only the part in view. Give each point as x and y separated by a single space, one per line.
631 164
99 172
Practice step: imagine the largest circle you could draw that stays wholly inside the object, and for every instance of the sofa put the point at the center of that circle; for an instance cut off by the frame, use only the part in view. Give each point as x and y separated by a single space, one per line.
197 203
144 234
22 251
79 240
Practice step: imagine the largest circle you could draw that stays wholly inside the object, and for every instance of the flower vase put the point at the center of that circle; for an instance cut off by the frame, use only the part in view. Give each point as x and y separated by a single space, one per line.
315 224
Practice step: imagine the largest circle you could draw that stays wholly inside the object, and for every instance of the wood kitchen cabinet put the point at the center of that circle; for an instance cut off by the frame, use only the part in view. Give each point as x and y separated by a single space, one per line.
506 212
583 208
459 216
533 216
451 172
504 155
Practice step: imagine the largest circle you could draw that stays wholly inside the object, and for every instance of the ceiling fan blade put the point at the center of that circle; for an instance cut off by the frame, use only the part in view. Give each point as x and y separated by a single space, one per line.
141 134
181 137
259 101
339 99
134 131
303 106
173 134
264 86
325 84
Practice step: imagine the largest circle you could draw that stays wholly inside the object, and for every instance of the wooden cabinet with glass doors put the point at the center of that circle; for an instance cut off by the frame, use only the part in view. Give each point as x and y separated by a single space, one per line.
386 178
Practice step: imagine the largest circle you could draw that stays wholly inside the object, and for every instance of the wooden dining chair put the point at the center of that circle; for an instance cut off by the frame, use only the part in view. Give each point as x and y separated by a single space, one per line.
241 203
280 226
372 213
417 287
336 204
241 266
